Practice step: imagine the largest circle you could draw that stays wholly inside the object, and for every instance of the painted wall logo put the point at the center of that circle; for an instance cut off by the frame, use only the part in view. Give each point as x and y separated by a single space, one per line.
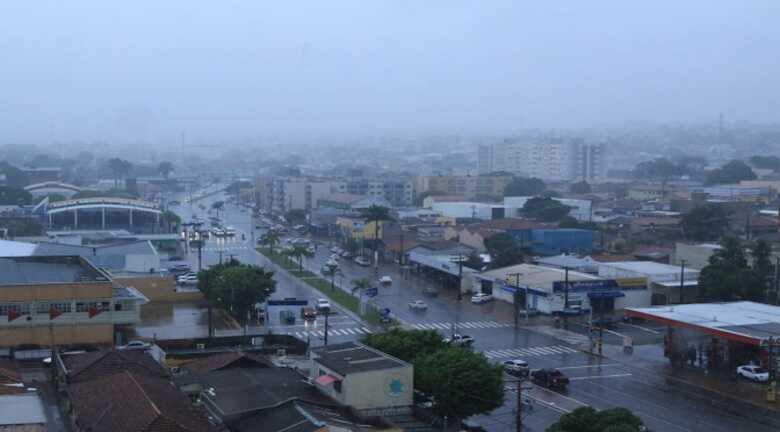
395 387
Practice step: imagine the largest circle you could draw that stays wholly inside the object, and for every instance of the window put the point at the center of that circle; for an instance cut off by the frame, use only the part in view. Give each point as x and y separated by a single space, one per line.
337 385
19 308
61 307
42 307
86 306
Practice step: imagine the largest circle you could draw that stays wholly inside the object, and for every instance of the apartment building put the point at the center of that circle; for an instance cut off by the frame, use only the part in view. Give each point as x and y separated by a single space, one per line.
469 187
294 193
398 191
550 159
62 300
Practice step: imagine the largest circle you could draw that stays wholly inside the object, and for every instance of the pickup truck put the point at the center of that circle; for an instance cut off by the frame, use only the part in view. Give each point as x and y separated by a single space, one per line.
460 340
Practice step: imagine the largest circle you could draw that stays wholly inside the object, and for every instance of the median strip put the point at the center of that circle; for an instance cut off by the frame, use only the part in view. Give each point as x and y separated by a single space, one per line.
343 298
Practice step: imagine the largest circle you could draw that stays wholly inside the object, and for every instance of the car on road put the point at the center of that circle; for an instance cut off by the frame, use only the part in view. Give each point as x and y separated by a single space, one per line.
134 345
345 254
179 268
334 257
385 280
308 313
753 373
480 298
335 249
418 305
430 291
323 305
362 261
552 379
460 340
471 426
516 367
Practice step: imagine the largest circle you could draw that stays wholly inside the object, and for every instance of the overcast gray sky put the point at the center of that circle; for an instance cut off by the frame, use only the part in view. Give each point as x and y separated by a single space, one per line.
223 69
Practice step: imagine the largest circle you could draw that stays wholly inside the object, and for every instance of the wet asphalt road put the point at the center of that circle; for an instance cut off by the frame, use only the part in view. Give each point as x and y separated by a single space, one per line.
596 381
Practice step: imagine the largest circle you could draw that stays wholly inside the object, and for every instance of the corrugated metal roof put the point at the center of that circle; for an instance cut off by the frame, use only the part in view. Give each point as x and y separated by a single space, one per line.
22 409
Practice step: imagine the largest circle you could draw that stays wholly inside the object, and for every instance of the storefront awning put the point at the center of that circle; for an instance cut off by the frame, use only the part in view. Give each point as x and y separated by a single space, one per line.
325 379
606 294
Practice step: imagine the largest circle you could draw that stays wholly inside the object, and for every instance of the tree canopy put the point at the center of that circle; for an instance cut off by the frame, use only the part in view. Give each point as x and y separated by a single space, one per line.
545 209
523 186
14 196
236 287
728 277
705 223
296 216
660 169
766 162
461 382
504 251
119 168
165 169
587 419
580 187
407 345
733 172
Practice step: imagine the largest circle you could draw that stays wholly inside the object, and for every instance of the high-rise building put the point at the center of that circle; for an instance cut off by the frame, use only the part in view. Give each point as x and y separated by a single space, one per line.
550 159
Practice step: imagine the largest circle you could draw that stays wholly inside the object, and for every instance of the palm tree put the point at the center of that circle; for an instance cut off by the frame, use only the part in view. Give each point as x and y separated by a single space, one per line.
218 206
117 167
165 168
299 252
358 285
271 239
376 214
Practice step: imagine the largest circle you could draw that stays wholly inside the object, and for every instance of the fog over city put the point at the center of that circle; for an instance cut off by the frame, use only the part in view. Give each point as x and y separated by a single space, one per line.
148 71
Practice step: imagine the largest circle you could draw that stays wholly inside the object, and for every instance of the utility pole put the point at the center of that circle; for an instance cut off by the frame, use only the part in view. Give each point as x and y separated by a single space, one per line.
516 298
566 298
460 276
682 279
776 284
327 312
519 420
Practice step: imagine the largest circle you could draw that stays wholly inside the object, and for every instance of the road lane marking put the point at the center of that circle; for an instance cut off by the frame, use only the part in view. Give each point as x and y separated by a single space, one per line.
641 328
600 376
366 330
590 366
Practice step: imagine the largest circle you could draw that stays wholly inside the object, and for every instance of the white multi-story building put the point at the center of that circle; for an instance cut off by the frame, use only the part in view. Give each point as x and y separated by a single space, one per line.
550 159
299 193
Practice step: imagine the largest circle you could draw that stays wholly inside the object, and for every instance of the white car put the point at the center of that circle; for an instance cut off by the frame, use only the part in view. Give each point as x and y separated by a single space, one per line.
362 261
323 305
335 249
479 298
516 367
459 339
385 280
753 373
136 344
418 305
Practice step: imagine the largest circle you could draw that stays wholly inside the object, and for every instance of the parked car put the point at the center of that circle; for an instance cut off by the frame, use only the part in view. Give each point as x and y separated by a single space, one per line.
418 305
179 268
323 305
335 249
552 379
516 367
753 373
346 254
308 313
134 345
471 426
480 298
362 261
385 279
460 340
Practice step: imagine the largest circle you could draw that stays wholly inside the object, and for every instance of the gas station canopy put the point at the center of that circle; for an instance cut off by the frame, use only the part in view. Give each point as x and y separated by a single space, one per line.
745 322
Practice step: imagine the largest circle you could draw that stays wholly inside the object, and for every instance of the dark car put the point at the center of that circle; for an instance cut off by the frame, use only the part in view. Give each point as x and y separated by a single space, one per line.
308 313
550 378
471 426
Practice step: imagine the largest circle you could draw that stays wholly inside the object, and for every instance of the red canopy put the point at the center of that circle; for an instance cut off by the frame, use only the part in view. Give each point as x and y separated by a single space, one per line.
325 379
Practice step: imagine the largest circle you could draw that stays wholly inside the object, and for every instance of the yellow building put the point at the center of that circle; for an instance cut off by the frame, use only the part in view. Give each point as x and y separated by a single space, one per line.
62 300
357 228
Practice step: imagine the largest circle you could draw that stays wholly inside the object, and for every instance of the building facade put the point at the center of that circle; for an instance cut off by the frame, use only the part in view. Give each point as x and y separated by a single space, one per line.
469 187
61 300
550 159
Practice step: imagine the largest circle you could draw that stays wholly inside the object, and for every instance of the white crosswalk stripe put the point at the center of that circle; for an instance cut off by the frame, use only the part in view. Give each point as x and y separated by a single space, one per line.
465 324
529 351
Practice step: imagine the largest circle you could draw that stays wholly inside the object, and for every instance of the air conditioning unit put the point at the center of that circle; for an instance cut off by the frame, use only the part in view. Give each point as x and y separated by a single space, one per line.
200 346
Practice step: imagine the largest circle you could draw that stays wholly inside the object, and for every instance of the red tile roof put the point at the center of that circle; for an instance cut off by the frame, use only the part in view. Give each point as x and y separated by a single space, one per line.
223 360
132 402
98 364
